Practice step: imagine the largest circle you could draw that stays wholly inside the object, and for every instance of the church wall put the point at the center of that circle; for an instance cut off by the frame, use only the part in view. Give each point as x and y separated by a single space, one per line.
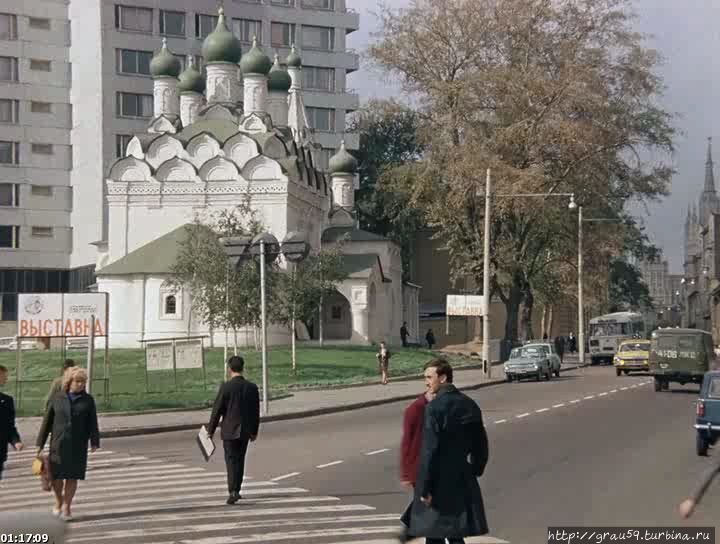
125 308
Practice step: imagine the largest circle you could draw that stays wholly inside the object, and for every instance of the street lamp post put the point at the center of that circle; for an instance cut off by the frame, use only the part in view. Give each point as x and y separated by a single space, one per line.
581 307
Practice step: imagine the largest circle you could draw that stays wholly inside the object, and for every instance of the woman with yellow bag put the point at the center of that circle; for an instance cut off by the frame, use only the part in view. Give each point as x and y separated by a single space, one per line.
71 417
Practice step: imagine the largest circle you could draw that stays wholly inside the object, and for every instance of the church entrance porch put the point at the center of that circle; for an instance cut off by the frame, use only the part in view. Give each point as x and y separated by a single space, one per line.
337 318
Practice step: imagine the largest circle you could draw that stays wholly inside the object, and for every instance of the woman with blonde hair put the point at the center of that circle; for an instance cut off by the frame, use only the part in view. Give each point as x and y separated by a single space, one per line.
71 417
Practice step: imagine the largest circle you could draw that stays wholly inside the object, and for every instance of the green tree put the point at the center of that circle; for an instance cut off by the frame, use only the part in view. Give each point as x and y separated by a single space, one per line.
628 291
553 96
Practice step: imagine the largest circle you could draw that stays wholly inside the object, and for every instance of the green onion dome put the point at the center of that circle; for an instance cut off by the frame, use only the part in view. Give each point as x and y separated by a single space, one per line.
165 64
342 162
279 79
293 60
255 61
191 80
221 45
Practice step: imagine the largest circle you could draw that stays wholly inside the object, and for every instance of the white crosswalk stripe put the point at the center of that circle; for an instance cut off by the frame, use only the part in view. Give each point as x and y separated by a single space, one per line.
133 498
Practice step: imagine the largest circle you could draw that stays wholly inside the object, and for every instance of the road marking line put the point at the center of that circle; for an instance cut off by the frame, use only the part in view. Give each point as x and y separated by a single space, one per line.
614 391
633 386
523 415
284 476
329 464
541 410
602 394
623 389
559 405
377 451
575 401
590 397
501 421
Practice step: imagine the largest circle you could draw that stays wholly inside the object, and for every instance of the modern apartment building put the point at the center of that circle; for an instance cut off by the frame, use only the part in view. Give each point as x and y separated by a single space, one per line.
75 86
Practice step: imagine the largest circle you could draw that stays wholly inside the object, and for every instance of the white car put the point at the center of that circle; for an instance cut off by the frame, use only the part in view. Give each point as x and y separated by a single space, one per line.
533 360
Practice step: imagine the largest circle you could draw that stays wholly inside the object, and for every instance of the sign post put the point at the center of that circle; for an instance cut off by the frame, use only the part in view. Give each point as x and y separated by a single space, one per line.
90 353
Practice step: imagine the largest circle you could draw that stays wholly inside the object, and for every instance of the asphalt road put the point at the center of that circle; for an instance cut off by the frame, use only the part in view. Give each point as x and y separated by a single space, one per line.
588 449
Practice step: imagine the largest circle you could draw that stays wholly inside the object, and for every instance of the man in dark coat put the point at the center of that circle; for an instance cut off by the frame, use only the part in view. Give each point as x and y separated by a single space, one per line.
8 431
448 503
238 403
560 347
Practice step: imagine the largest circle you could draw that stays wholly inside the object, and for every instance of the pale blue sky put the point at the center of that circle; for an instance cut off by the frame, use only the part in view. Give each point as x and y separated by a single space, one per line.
686 33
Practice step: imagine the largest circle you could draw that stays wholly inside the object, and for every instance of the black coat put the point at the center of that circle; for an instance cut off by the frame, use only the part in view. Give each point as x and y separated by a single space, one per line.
238 402
8 430
72 425
453 432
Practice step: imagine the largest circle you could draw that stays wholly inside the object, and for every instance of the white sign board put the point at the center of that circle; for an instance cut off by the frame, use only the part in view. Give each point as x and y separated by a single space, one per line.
464 305
159 356
61 314
188 354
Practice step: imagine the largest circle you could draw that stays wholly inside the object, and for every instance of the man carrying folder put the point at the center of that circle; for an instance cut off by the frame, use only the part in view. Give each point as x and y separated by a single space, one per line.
238 403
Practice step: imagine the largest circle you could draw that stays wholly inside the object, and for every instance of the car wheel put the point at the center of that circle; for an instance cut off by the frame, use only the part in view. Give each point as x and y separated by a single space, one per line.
557 373
658 385
618 371
538 377
509 378
666 385
701 445
626 372
548 376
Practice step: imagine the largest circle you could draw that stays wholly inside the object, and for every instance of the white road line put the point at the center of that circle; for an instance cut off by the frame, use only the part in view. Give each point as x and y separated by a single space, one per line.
377 451
501 421
602 394
559 405
590 397
329 464
575 401
284 476
624 388
614 391
523 415
633 386
541 410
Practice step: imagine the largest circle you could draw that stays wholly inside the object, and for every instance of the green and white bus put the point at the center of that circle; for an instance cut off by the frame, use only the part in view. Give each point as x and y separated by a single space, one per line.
607 331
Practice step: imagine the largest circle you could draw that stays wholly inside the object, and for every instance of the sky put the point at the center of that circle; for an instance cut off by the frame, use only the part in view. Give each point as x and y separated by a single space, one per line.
687 35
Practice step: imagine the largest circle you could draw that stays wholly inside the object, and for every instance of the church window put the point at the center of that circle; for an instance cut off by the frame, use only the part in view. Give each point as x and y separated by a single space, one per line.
245 29
134 62
9 109
322 119
282 34
336 313
318 37
170 305
134 19
321 79
204 24
172 23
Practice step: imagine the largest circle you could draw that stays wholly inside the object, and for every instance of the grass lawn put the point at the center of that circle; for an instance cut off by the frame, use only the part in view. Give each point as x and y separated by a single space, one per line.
130 390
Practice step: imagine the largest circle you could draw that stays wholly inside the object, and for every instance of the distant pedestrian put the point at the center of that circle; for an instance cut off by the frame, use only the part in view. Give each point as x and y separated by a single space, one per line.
57 384
404 333
383 357
238 404
545 336
430 338
572 343
560 347
8 430
71 418
447 500
687 507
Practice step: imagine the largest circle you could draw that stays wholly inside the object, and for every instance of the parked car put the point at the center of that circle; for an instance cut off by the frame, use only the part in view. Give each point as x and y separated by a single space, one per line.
707 422
632 356
681 356
533 360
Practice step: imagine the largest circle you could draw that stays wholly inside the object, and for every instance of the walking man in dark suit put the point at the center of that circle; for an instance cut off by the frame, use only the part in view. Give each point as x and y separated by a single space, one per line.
238 403
8 431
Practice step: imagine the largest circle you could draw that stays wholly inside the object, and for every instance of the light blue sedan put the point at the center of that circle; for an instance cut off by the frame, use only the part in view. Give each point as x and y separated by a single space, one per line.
533 360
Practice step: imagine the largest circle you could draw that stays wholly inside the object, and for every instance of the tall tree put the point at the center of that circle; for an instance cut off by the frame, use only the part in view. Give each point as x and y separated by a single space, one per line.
628 290
553 96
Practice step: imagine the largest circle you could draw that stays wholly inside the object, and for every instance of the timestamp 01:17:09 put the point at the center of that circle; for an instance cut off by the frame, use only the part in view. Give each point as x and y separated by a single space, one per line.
24 538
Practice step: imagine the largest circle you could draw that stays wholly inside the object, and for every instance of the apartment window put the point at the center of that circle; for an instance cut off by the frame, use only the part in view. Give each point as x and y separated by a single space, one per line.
8 69
133 19
40 65
282 34
134 105
245 29
286 3
199 63
121 143
10 194
9 109
9 236
134 62
39 23
319 4
40 107
41 190
183 61
172 23
9 153
8 26
247 1
43 232
42 149
322 79
321 119
317 37
204 24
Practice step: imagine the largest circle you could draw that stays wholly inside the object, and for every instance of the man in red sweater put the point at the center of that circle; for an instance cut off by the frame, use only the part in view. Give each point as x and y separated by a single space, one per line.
412 439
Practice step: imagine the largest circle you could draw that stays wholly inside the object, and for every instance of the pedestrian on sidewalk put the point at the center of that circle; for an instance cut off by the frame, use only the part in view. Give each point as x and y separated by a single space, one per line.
57 384
383 357
687 507
8 430
71 418
404 333
447 502
560 347
430 338
238 404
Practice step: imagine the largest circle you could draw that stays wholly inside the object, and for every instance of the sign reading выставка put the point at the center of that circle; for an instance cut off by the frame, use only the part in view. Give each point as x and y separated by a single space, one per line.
61 314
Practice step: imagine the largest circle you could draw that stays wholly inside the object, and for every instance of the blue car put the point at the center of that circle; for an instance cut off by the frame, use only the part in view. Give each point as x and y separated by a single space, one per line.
708 412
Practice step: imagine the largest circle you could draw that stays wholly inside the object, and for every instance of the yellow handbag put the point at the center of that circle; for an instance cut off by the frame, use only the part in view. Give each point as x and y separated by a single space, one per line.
37 467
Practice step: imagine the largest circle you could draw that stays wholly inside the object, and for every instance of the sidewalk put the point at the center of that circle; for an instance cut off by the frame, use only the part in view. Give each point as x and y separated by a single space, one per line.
303 403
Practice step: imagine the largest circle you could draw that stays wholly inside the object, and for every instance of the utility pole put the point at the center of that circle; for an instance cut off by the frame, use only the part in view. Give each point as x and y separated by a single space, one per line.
487 363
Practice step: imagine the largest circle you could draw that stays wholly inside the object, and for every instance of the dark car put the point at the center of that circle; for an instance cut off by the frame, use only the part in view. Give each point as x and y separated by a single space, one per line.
681 356
707 423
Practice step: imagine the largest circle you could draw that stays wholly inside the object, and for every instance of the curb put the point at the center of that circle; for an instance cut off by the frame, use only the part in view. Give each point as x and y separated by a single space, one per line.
138 431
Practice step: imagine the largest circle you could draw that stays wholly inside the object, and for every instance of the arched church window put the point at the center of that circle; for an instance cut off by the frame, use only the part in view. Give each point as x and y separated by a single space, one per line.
170 305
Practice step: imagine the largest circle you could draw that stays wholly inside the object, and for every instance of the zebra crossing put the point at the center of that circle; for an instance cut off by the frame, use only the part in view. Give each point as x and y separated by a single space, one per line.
133 498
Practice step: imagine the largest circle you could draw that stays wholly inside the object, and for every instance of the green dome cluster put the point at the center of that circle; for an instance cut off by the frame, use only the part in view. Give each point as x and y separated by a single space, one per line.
255 61
342 162
279 80
191 80
293 60
165 64
221 45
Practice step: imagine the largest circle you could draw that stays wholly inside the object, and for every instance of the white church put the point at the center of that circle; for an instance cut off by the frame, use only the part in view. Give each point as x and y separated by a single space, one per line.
240 131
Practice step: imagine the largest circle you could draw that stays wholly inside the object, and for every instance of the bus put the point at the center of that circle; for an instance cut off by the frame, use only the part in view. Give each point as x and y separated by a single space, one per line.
607 331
